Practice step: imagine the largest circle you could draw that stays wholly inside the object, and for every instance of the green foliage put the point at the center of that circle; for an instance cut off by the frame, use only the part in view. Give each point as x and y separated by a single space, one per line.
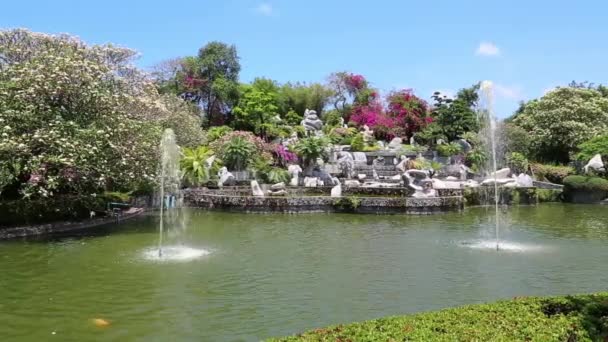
256 109
117 197
548 195
476 159
585 183
562 120
588 149
217 132
454 117
448 150
552 173
79 119
45 210
516 139
297 97
265 172
332 118
430 134
347 204
311 148
293 118
357 144
237 153
517 162
571 318
195 172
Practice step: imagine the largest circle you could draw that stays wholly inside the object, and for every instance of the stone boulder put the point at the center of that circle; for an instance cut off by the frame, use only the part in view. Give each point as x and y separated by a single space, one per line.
256 190
595 164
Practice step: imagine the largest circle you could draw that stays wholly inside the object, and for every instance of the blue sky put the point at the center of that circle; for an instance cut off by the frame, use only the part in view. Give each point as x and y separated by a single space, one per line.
524 47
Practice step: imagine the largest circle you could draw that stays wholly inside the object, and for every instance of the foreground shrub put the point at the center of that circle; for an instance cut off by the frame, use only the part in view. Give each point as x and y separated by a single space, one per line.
584 189
517 162
552 173
47 210
572 318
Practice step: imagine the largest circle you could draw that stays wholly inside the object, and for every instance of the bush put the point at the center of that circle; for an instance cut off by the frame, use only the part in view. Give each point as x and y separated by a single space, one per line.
517 162
589 149
47 210
357 143
195 172
448 150
585 183
552 173
217 132
571 318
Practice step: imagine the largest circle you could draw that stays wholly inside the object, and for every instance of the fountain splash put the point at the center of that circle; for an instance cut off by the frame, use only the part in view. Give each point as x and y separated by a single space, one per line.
485 115
169 179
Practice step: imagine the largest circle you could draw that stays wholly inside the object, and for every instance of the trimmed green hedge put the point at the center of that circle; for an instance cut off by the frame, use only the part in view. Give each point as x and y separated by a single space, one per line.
571 318
39 211
552 173
585 189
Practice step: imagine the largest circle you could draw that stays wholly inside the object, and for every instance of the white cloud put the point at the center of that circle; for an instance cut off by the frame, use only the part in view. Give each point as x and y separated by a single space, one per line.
508 92
264 9
487 49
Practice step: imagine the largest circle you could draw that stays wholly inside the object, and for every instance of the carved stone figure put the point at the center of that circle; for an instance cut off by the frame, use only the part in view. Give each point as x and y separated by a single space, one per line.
395 144
256 190
403 164
294 170
346 164
596 164
312 124
225 177
336 191
368 135
421 183
292 140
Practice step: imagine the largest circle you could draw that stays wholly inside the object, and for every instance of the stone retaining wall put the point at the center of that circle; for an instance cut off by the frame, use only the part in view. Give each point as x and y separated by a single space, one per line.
210 199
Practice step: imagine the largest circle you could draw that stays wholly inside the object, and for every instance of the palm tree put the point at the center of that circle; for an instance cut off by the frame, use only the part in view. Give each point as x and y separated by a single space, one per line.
194 165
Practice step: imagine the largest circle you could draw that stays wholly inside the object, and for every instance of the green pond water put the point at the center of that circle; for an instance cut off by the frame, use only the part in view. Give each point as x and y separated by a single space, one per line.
274 275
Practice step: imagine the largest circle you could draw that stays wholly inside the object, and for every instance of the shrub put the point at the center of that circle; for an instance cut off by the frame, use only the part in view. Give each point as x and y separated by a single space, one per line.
571 318
585 183
195 172
552 173
265 172
517 162
590 148
58 208
476 159
357 143
311 148
217 132
237 153
448 150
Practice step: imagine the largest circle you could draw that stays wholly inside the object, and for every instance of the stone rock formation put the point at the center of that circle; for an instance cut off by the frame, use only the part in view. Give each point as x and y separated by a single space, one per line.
225 177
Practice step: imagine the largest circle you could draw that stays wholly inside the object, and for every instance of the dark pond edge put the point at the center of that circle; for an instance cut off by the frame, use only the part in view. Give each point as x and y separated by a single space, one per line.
66 226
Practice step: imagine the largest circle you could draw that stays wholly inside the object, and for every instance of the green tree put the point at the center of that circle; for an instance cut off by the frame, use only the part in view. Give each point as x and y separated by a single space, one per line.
454 117
298 97
210 79
256 109
563 119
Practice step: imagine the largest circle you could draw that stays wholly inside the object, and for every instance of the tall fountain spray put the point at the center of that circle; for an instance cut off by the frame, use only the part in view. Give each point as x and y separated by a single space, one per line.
169 179
485 115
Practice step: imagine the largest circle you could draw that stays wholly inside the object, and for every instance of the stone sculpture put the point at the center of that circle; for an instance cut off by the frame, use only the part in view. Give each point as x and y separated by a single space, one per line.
404 164
336 191
523 180
256 190
292 140
595 164
346 164
368 135
395 144
465 146
312 124
294 170
225 177
277 189
421 183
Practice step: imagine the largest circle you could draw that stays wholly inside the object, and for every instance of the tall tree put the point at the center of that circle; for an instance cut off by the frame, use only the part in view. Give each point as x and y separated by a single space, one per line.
454 117
210 79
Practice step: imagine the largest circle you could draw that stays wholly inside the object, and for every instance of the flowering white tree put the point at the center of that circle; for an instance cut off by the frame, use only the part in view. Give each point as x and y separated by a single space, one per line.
79 119
562 119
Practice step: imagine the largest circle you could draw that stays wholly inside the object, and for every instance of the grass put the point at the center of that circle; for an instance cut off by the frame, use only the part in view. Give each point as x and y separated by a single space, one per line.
570 318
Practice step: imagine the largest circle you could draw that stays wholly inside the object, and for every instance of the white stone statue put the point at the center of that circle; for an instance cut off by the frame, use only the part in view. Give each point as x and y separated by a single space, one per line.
294 170
403 164
342 124
346 164
311 182
225 177
412 141
368 135
336 191
421 183
312 124
523 180
256 190
277 189
595 164
395 144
